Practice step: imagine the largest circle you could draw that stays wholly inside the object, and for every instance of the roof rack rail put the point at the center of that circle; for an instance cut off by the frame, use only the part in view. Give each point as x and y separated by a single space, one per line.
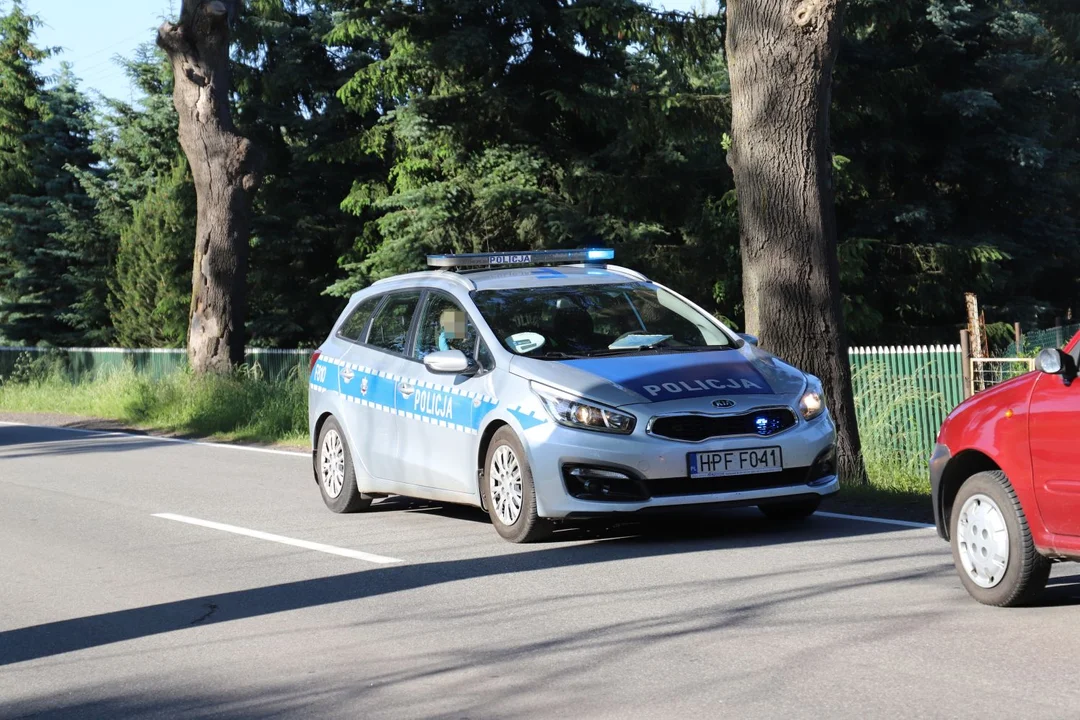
530 257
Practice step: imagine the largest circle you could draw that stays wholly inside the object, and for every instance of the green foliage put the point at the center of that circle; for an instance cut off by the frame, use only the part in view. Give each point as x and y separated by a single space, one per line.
286 78
960 125
393 129
48 267
20 90
889 425
540 125
152 275
145 213
34 368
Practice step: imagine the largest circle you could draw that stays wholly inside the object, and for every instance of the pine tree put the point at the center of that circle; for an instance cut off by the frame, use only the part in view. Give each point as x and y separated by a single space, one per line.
151 289
45 279
88 250
141 199
20 91
543 124
957 135
286 78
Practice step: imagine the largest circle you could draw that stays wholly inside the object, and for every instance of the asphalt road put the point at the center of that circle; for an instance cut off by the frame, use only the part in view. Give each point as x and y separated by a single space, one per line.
108 610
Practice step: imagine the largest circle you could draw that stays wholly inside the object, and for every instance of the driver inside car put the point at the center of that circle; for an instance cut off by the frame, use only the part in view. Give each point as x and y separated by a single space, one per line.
452 327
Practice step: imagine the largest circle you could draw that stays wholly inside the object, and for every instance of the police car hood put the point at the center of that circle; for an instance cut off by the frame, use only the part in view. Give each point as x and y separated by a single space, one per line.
671 378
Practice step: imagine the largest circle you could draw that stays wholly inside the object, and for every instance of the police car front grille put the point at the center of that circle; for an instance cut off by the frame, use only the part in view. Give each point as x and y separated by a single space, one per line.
694 428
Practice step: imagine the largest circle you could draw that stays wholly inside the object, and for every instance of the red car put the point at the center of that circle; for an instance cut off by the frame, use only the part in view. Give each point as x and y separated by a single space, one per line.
1005 480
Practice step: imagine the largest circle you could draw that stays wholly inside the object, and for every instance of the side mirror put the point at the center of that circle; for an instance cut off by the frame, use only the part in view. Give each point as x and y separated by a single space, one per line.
449 362
751 339
1053 361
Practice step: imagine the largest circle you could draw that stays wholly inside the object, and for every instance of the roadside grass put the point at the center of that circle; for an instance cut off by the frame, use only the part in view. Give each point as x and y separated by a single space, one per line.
896 413
241 406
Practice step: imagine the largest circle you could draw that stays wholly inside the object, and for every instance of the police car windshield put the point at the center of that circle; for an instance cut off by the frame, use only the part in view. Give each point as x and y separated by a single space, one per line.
594 320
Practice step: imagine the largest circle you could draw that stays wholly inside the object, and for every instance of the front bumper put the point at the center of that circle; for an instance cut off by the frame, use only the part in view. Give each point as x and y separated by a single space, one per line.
657 469
938 460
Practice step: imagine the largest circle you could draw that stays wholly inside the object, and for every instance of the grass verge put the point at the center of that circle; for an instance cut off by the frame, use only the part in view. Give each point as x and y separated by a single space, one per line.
241 406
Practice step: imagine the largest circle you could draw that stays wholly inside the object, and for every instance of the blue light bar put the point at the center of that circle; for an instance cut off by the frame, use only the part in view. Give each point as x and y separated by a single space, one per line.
535 257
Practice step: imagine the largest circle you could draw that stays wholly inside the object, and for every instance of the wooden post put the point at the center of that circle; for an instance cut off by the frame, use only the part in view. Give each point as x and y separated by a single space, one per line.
965 355
1059 334
974 326
1019 337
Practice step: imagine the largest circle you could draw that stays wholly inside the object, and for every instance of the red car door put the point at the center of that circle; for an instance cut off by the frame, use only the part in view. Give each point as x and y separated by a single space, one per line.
1054 432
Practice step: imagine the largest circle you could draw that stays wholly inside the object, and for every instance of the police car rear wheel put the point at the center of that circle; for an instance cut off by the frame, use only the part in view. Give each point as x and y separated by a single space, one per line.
791 510
508 490
337 481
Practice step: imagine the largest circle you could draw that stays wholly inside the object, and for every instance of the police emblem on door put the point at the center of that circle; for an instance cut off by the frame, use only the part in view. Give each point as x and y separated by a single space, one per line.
363 386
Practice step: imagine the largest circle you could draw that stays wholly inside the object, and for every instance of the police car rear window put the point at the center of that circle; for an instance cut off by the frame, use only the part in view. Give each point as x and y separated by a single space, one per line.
390 328
590 320
354 326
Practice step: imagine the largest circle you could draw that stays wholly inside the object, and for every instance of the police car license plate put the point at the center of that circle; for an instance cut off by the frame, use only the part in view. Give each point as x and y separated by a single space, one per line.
749 461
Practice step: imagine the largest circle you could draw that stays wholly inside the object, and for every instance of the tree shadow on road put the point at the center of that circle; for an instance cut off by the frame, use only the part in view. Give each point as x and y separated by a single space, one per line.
591 546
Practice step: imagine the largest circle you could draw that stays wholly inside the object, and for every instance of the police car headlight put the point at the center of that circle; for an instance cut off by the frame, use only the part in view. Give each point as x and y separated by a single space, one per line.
812 402
574 412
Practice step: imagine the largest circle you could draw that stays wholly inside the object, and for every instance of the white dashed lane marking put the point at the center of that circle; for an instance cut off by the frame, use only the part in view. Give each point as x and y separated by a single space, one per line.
270 537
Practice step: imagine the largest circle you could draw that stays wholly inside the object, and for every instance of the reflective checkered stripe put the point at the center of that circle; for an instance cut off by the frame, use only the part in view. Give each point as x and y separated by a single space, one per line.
444 406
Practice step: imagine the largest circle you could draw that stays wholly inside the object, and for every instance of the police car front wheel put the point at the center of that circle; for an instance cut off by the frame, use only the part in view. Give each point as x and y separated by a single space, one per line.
337 480
508 490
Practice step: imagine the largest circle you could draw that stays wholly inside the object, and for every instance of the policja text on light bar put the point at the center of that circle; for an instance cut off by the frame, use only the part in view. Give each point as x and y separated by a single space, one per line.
536 257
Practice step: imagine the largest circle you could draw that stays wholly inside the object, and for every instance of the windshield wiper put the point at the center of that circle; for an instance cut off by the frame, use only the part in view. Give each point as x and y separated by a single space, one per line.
658 346
558 355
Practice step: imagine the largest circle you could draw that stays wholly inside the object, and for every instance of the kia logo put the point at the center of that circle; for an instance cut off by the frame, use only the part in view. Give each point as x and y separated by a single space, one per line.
723 403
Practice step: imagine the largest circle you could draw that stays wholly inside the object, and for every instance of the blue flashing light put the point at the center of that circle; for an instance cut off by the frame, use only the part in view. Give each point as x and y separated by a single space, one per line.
765 425
536 257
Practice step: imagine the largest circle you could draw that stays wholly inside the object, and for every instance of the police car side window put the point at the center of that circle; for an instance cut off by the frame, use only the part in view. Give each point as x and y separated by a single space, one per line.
444 326
390 327
354 326
483 356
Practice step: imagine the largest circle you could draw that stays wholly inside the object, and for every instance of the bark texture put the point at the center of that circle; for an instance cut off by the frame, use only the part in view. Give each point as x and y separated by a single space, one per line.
226 169
780 60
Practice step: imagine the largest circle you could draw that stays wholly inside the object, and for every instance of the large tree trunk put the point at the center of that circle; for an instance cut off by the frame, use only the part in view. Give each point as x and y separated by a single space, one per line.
225 167
780 61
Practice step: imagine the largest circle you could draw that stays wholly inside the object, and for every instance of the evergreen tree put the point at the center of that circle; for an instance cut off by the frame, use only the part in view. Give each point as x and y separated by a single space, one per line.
142 198
152 285
286 77
957 136
20 91
540 124
47 274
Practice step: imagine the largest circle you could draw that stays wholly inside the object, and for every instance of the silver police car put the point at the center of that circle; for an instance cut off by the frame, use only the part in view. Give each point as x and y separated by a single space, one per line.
549 386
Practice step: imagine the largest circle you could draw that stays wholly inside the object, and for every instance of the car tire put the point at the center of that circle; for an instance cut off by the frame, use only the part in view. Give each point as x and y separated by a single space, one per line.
334 469
508 490
988 497
791 510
